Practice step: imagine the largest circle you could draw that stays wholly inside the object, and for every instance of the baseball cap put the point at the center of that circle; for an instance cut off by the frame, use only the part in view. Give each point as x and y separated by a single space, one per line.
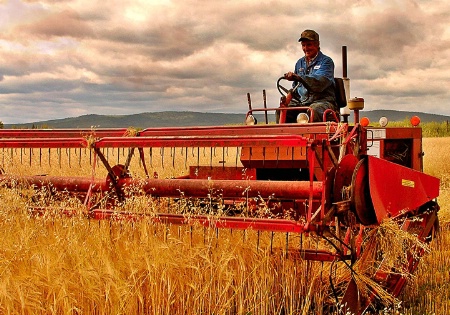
308 35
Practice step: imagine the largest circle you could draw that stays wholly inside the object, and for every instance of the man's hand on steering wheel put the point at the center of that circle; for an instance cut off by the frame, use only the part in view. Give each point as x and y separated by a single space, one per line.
291 76
288 94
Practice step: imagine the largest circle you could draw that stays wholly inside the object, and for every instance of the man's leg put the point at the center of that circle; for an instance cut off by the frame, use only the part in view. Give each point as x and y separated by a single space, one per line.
291 116
319 108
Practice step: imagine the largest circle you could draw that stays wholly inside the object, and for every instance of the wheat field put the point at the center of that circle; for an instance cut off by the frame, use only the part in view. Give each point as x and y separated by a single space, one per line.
59 265
429 293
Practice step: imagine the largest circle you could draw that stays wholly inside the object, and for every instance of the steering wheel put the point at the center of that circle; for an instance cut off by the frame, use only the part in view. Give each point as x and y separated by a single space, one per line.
284 91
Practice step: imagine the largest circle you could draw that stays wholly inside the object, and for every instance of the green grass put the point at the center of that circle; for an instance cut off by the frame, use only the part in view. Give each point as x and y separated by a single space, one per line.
429 129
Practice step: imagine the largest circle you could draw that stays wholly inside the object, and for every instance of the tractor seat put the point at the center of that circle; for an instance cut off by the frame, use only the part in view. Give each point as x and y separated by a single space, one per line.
339 91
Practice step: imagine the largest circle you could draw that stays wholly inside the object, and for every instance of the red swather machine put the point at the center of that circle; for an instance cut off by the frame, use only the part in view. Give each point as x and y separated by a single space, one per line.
334 179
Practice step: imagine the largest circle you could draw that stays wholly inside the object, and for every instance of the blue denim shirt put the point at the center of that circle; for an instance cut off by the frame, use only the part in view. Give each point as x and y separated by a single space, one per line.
319 77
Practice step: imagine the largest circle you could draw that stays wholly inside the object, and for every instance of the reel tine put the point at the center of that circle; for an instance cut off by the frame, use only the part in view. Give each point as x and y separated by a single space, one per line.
292 157
223 158
211 157
173 157
198 157
31 153
151 156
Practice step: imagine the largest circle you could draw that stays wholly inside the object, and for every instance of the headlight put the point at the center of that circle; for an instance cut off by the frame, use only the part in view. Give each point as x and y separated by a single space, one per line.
302 118
250 120
383 121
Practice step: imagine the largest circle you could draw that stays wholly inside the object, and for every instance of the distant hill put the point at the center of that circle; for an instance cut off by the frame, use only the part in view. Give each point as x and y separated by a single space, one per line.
183 119
143 120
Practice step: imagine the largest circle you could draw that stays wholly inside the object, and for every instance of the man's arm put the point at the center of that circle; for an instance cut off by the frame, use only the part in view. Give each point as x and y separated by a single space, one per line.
322 76
291 76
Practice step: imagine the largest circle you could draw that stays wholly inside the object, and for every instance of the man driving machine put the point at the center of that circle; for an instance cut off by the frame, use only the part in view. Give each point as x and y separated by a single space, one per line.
314 75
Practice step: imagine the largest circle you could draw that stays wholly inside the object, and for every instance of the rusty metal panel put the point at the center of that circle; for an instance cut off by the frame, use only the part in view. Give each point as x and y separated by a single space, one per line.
267 157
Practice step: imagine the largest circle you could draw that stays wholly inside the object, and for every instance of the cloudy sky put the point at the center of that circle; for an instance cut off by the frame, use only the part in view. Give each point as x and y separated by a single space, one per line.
66 58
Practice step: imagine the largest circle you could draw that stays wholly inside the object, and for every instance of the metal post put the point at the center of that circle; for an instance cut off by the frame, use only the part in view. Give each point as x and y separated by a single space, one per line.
345 112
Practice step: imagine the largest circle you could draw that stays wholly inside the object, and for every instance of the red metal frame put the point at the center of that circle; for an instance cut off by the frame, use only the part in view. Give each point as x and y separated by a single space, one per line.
61 133
44 143
202 141
235 136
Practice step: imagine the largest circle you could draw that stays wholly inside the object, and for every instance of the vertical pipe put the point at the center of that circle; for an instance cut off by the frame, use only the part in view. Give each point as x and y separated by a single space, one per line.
249 100
345 112
344 61
265 106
